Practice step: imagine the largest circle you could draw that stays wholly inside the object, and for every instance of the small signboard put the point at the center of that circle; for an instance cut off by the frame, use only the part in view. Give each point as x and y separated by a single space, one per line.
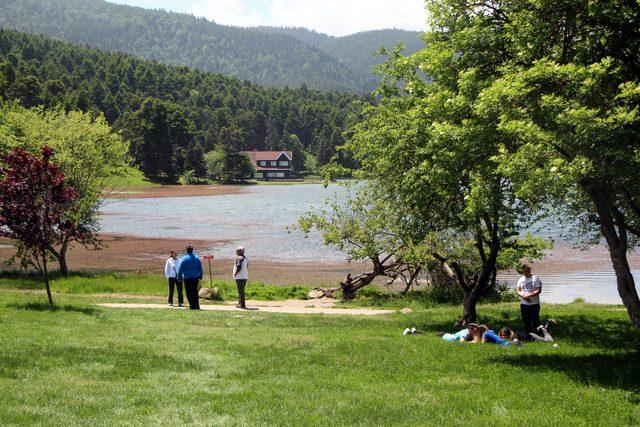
209 257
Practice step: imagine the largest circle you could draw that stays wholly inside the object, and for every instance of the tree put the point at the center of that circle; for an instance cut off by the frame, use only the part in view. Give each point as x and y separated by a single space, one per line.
236 166
426 146
153 149
366 228
195 160
87 152
567 100
214 161
35 200
290 142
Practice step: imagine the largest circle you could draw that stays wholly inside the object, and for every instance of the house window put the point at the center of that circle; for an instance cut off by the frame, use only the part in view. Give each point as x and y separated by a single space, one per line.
279 174
270 174
262 163
283 163
274 163
259 175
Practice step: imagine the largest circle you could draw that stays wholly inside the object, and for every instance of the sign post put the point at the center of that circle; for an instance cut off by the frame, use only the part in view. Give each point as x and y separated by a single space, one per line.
209 257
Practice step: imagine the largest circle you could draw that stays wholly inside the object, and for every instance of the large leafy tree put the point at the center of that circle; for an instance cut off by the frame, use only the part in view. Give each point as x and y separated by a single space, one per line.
567 99
87 152
35 203
426 146
236 166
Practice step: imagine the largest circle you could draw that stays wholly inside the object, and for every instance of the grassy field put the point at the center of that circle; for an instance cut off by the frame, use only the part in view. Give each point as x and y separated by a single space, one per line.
79 363
133 177
144 284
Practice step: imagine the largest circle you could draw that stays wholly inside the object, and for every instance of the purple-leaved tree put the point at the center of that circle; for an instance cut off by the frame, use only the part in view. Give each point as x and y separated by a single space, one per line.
34 207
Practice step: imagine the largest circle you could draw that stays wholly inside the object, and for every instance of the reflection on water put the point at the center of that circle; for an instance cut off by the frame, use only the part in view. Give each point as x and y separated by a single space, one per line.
260 219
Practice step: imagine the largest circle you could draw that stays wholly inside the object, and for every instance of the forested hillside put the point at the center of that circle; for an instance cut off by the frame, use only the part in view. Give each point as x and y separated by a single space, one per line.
356 50
171 115
267 59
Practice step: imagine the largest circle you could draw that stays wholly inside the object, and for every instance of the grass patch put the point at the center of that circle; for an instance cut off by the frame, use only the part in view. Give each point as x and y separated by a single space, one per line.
132 177
143 284
63 367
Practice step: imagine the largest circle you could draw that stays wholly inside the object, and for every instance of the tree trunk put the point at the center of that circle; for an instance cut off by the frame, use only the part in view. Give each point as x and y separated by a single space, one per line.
61 257
613 228
469 314
350 286
624 278
45 274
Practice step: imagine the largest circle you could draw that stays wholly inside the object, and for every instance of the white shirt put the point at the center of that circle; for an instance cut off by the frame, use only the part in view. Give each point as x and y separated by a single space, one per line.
171 268
528 285
243 274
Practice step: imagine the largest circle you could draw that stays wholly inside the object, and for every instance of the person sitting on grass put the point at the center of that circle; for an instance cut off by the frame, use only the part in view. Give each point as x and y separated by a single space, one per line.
541 335
485 335
462 335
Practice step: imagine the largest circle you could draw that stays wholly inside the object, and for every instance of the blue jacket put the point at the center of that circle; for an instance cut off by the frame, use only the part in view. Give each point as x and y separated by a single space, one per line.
190 267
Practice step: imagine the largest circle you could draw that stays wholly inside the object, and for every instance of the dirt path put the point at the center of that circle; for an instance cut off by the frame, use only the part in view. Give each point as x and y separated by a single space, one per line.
290 306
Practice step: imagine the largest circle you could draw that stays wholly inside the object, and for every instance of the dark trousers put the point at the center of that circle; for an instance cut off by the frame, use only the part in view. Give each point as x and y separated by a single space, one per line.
173 282
241 283
530 316
191 289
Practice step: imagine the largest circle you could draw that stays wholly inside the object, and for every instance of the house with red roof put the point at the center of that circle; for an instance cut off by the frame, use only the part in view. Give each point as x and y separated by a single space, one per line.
271 164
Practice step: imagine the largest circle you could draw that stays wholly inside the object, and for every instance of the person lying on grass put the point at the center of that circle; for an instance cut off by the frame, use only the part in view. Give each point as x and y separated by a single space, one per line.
462 335
541 335
485 335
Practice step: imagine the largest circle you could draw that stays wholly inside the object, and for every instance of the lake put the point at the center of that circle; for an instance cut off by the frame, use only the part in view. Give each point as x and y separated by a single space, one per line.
261 219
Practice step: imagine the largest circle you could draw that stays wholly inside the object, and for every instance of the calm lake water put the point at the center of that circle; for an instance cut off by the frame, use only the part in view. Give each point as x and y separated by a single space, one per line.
261 221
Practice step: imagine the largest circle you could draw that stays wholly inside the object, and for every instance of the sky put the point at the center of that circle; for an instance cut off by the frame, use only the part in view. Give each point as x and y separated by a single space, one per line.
334 17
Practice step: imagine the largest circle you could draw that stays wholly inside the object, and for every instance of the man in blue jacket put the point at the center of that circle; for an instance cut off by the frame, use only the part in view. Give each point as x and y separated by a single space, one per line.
191 271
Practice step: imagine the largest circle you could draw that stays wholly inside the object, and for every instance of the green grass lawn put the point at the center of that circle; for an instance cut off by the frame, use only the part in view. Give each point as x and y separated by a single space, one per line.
143 284
132 177
82 364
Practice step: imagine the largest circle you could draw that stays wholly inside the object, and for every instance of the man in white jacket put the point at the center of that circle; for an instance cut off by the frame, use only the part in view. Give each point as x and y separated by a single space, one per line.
241 274
171 268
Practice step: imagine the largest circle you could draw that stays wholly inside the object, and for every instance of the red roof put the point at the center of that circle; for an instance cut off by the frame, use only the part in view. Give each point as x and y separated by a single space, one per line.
256 155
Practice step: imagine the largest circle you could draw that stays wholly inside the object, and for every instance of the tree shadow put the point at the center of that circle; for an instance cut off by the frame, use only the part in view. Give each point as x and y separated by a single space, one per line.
41 306
580 329
617 371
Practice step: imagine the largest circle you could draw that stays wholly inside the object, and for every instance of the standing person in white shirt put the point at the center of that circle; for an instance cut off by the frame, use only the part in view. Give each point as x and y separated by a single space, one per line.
241 274
529 288
171 268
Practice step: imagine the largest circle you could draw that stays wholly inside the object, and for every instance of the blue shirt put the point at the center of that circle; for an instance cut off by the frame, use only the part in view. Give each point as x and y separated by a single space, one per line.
190 267
491 337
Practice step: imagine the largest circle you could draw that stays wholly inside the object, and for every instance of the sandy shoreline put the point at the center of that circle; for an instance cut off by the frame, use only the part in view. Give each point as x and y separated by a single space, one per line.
178 191
124 253
147 255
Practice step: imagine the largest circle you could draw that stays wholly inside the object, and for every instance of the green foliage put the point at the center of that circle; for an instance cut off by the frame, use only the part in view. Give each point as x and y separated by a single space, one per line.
357 50
432 156
191 178
214 162
87 151
557 85
265 58
167 113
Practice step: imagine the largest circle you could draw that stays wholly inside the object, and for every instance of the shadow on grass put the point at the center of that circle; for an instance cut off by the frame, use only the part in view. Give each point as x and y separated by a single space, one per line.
616 371
593 330
41 306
